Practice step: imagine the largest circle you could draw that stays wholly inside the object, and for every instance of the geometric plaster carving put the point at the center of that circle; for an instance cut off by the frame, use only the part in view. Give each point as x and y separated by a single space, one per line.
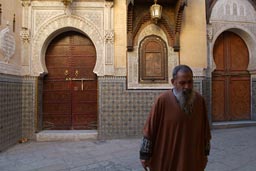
233 10
95 16
10 68
133 60
60 24
42 16
109 52
25 35
7 44
109 37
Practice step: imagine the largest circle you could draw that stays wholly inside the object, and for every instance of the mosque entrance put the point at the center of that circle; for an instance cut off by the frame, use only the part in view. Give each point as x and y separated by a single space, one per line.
70 87
231 98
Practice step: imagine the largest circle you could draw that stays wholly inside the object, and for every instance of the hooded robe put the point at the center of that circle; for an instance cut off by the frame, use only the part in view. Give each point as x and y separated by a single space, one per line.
178 139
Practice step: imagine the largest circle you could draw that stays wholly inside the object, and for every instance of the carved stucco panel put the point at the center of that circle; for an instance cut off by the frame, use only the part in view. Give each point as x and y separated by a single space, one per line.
133 60
9 68
96 17
233 10
65 22
42 16
7 44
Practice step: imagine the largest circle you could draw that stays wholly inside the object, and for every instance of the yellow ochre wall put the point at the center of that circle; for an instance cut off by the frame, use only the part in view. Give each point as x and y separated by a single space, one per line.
193 43
120 23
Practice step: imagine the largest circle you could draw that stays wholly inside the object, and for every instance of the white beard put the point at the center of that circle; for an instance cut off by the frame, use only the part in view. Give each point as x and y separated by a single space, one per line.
186 100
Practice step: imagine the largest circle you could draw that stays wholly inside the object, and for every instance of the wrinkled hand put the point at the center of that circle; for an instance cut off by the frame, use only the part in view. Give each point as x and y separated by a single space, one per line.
144 163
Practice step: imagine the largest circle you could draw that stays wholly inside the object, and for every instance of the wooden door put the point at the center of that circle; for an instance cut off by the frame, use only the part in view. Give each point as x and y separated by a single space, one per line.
230 79
70 87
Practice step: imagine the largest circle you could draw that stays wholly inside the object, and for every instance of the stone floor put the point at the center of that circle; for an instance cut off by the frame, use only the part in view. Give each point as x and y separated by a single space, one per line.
232 150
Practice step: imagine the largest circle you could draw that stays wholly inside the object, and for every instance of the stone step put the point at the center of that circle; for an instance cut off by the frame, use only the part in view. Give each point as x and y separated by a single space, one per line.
66 135
232 124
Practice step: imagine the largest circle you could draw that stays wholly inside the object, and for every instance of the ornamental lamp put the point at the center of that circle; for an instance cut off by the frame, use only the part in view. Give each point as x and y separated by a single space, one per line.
155 12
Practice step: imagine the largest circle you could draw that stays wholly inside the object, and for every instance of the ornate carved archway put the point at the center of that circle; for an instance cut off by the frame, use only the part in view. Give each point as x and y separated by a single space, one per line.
60 24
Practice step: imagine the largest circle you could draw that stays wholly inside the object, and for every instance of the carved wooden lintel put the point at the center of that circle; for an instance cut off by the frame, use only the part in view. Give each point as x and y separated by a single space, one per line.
178 22
176 45
130 27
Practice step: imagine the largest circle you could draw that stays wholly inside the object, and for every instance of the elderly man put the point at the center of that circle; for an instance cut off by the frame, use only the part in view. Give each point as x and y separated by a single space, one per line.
176 135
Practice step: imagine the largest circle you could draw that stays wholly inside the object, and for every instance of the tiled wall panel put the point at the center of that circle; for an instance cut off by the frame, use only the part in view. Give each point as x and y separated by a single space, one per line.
29 106
122 112
10 110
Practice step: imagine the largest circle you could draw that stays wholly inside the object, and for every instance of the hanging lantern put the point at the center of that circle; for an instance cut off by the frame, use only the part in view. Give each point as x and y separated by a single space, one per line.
156 12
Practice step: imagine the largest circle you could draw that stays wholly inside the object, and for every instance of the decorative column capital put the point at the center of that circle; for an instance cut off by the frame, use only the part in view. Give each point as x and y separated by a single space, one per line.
25 3
67 2
109 4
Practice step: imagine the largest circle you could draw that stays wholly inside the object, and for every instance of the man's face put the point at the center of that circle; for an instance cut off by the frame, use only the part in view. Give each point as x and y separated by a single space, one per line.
183 82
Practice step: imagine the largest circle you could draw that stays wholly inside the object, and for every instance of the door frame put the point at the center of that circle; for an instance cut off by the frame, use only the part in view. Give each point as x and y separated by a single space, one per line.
250 40
39 83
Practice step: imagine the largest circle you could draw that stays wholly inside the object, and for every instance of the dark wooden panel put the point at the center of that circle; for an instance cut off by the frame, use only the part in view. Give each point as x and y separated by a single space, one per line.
57 121
219 54
85 96
240 98
58 50
85 107
54 73
57 96
153 65
56 85
57 108
153 46
153 60
84 61
80 50
218 99
84 122
53 61
239 55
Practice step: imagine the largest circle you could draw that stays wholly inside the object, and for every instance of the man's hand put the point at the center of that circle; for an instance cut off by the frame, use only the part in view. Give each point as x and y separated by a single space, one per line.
144 163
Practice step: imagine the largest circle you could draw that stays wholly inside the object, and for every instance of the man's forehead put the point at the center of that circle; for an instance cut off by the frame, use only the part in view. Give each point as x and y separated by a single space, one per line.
184 73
